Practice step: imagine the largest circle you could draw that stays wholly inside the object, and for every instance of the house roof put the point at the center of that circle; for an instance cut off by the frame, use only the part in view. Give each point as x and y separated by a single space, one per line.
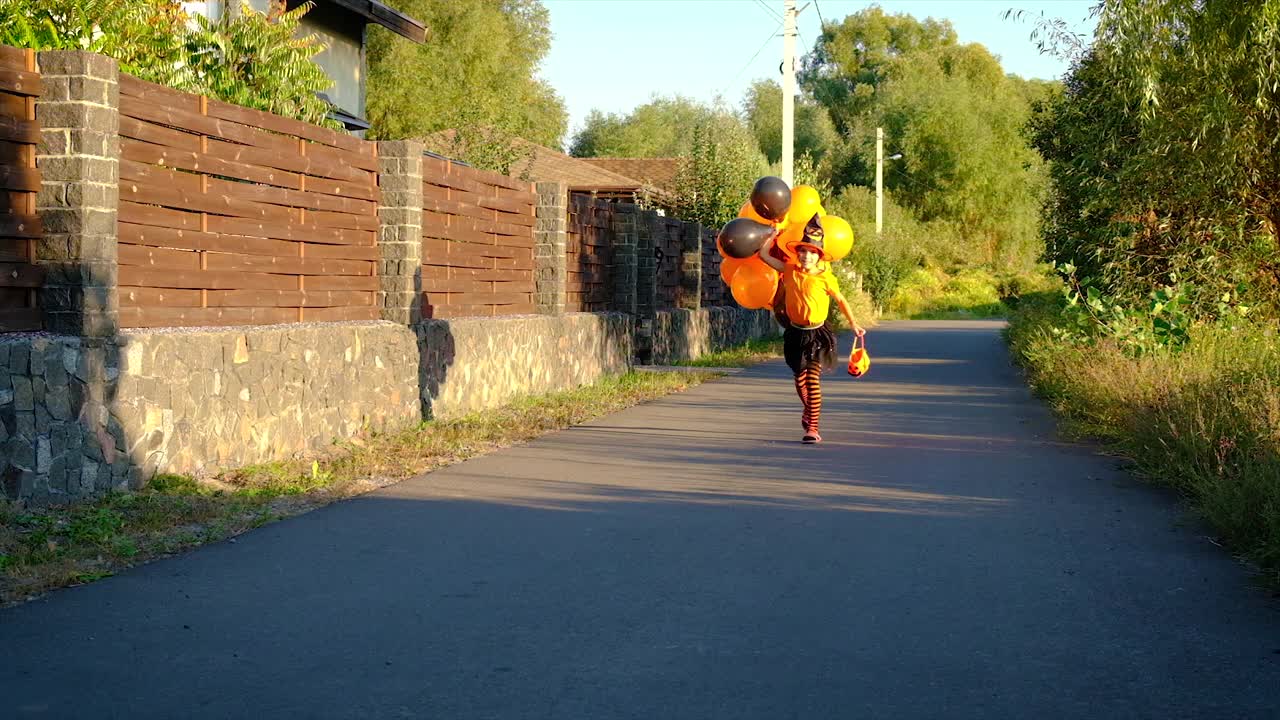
657 172
388 17
548 165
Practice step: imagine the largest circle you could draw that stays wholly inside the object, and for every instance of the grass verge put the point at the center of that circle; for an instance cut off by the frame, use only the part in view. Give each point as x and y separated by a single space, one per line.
1205 421
45 548
749 353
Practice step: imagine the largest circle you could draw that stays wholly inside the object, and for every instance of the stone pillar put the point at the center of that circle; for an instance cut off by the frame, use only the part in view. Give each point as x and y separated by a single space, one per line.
549 238
691 266
646 264
623 231
400 230
79 161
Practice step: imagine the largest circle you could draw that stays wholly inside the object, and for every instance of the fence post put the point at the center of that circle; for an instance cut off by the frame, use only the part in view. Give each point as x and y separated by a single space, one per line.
550 238
78 202
400 230
623 230
691 266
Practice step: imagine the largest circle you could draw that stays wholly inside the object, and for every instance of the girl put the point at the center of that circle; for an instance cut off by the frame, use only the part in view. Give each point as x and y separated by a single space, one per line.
808 341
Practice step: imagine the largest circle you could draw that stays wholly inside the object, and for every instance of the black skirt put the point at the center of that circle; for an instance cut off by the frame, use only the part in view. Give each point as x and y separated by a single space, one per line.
803 348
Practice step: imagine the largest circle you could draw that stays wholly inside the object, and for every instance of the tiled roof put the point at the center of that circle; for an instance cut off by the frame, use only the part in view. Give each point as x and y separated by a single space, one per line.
657 172
547 165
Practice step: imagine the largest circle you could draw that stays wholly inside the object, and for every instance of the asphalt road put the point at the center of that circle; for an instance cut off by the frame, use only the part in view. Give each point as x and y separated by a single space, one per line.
941 555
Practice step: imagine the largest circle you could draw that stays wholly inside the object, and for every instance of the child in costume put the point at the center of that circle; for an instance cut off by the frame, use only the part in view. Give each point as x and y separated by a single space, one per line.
809 343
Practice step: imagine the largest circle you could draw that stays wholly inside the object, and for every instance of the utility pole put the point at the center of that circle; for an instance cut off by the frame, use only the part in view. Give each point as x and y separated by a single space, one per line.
788 90
879 180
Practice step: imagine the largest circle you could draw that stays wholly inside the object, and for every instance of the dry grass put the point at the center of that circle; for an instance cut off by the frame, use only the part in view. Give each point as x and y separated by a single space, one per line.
1205 421
46 548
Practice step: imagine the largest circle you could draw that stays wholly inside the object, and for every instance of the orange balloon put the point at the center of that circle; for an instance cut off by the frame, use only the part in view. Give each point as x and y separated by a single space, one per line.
749 212
805 203
837 237
754 284
729 267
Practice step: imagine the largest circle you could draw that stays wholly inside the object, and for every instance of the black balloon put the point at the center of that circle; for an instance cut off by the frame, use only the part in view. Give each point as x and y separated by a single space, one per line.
771 198
742 237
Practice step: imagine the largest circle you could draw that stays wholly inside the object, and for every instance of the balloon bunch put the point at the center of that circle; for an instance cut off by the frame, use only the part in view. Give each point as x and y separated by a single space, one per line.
773 209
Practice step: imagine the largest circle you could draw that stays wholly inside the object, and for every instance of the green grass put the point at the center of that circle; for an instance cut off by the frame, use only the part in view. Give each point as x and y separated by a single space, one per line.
749 353
1204 421
932 294
46 548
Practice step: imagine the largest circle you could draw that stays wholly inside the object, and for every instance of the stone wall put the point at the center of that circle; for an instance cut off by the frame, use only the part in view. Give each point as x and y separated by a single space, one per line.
470 364
689 334
80 416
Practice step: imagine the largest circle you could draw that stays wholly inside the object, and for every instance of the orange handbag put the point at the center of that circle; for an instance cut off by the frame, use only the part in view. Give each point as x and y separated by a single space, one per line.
859 360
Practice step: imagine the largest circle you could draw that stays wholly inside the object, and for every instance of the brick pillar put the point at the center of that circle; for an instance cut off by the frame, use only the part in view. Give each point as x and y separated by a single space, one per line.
623 231
549 240
691 266
646 264
400 230
79 160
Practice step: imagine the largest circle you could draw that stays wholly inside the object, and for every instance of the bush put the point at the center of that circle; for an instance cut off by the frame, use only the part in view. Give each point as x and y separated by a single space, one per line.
1204 420
246 58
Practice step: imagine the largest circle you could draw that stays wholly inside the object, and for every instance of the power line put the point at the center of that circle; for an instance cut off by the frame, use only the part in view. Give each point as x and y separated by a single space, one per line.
821 22
772 35
773 13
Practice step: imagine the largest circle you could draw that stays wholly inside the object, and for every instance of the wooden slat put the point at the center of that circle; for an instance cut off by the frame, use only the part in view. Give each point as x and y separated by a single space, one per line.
157 192
135 317
13 58
282 231
288 298
342 282
199 162
134 89
343 314
13 249
158 134
288 159
291 265
205 279
289 126
21 275
139 256
16 225
19 130
164 112
509 205
20 82
132 212
20 319
159 297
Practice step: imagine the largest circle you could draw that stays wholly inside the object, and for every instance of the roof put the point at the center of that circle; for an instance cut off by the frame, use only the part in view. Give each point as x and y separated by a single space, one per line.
548 165
657 172
388 17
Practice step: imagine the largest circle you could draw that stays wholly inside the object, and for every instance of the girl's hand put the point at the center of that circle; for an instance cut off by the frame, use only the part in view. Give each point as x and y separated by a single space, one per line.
859 330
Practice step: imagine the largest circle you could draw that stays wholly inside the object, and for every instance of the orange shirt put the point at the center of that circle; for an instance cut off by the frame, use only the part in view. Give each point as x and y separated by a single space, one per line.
807 303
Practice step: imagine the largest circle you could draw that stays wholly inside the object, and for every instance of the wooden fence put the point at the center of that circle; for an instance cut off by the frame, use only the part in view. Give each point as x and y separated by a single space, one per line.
477 242
232 216
588 256
20 277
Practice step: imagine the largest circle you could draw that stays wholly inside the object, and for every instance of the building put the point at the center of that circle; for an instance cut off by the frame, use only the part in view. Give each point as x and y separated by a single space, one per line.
341 24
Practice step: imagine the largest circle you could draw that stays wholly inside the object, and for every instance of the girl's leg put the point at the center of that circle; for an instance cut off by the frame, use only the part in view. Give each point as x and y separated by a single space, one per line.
802 389
812 397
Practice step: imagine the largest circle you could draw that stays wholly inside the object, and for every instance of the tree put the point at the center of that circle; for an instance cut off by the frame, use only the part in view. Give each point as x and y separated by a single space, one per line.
478 69
853 57
662 127
720 168
1163 149
248 58
814 132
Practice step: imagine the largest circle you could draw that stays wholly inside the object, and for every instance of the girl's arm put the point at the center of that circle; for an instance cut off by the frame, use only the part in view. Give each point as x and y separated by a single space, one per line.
848 313
769 259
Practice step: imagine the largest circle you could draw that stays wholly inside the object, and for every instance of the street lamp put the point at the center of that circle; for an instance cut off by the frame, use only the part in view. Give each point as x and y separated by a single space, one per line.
880 178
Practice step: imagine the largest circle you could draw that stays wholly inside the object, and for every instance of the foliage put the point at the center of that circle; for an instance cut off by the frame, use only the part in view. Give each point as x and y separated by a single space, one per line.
1205 421
951 112
477 73
814 132
716 177
1163 151
246 58
662 127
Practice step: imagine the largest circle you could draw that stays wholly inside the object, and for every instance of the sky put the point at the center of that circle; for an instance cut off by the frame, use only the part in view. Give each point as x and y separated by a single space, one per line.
614 55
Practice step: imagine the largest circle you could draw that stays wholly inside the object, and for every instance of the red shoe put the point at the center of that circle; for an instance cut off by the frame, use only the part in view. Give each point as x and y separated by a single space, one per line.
811 438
